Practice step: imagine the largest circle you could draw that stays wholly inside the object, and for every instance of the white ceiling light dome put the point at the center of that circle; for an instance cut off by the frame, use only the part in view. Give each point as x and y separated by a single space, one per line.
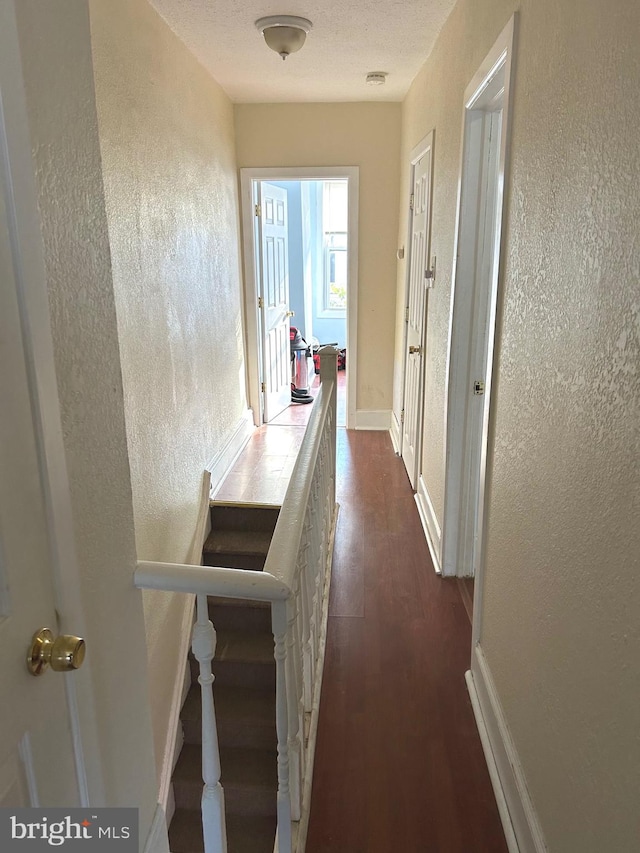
284 33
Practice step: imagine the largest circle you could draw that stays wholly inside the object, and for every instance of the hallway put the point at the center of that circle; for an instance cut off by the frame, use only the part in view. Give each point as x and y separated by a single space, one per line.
399 767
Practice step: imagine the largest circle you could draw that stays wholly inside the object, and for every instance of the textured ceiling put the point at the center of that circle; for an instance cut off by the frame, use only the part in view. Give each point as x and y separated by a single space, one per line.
349 38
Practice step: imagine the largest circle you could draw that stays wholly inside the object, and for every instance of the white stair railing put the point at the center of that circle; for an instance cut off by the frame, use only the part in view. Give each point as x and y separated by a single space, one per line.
295 581
204 648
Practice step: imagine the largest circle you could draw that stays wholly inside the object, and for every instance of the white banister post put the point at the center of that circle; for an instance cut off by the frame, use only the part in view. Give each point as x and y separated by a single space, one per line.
279 626
294 740
329 373
306 578
213 818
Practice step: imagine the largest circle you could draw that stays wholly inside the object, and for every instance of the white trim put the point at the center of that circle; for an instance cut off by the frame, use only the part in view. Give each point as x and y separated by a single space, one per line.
26 756
379 419
317 173
395 433
222 462
158 837
174 728
519 818
492 767
430 523
509 40
463 535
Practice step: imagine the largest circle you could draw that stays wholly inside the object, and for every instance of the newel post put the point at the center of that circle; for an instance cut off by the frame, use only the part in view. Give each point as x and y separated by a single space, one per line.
213 818
329 374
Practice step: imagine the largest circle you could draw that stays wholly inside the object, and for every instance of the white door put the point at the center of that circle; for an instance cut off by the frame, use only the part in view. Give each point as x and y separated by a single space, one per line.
274 299
417 313
36 748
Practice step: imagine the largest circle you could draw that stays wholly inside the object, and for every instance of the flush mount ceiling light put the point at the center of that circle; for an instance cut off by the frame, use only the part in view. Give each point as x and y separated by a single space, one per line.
284 33
376 78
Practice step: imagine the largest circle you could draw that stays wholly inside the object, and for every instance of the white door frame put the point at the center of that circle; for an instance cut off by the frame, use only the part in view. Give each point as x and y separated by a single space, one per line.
28 257
458 497
319 173
417 153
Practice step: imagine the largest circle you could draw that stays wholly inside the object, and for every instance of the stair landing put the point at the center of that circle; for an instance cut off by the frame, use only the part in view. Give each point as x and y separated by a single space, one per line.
262 472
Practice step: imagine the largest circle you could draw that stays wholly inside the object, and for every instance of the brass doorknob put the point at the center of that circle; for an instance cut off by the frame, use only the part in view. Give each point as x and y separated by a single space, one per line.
63 654
415 350
290 314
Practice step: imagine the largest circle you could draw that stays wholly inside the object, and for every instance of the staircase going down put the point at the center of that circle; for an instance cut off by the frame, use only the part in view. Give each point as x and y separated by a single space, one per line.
244 696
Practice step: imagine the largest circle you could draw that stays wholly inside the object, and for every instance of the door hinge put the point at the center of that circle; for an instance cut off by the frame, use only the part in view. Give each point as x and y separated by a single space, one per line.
478 388
260 302
263 387
406 314
258 210
430 274
412 200
402 416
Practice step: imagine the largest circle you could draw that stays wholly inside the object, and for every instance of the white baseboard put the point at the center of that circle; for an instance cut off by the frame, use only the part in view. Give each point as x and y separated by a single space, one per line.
222 462
430 524
519 819
174 741
395 433
379 419
158 838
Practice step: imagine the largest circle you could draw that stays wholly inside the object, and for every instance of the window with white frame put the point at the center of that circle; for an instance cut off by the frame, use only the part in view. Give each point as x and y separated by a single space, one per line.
334 246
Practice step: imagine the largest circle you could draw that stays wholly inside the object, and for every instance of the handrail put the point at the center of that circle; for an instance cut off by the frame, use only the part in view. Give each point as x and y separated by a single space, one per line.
295 582
283 551
201 580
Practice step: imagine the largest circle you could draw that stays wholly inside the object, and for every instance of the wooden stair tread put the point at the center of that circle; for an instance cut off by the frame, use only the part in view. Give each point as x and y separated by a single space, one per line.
219 601
237 614
238 516
246 716
242 705
242 542
238 646
245 834
249 769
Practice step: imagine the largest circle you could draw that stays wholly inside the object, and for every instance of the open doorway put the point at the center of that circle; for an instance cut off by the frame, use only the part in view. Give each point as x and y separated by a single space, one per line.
300 242
474 314
317 254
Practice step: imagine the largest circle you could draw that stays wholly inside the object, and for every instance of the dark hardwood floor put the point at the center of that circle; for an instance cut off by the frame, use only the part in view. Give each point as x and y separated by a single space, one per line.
399 767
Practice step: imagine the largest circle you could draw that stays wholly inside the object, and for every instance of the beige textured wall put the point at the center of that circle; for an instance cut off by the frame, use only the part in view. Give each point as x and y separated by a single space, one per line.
56 55
358 134
166 134
435 102
561 596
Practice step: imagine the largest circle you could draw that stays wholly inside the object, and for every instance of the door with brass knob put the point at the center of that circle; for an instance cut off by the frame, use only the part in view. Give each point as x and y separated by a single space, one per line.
63 654
416 311
37 761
